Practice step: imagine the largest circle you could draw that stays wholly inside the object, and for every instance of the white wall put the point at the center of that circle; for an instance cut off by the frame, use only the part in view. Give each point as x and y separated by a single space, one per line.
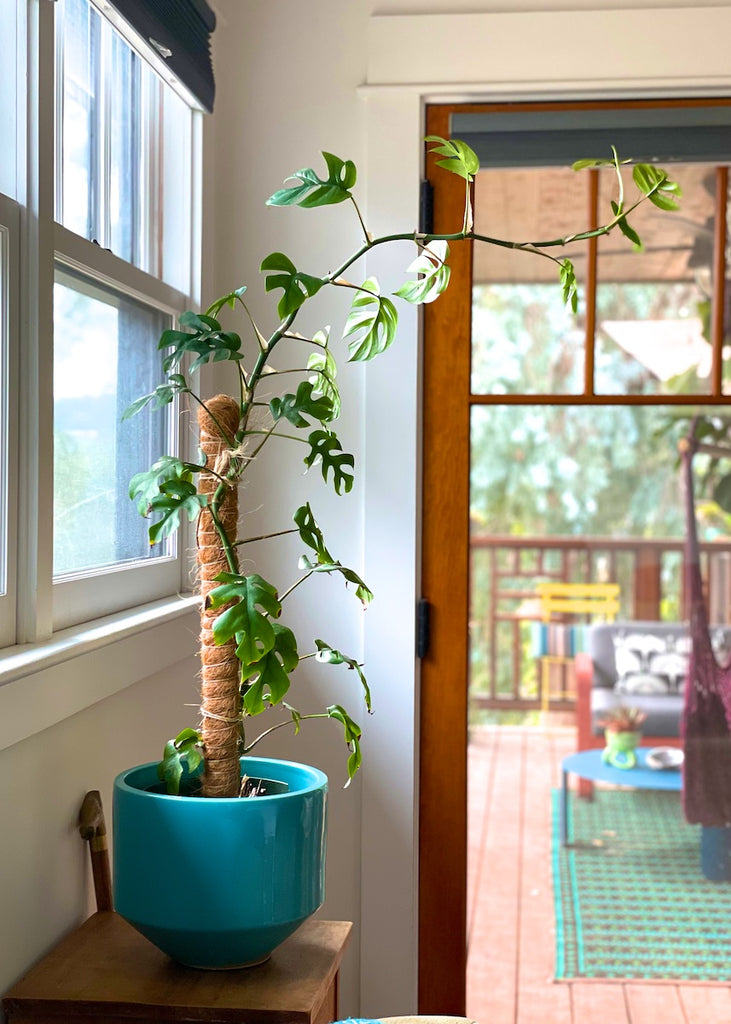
289 78
45 886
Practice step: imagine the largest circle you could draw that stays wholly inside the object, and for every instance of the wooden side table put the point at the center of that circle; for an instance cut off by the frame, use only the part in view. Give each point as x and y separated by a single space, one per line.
105 972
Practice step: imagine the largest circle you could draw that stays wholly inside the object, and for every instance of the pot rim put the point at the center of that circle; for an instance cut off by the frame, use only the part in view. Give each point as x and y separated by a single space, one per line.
318 780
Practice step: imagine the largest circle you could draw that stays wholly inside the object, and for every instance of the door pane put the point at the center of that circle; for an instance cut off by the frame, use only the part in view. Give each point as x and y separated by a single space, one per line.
653 307
578 494
524 339
105 357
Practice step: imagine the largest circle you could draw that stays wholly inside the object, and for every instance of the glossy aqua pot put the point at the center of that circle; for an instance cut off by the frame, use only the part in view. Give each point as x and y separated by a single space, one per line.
220 883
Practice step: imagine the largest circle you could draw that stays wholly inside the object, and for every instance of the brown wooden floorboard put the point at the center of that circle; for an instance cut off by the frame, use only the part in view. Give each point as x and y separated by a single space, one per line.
510 900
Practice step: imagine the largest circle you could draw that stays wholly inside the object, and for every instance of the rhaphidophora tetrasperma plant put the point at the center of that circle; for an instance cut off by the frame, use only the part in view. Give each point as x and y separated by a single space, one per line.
247 653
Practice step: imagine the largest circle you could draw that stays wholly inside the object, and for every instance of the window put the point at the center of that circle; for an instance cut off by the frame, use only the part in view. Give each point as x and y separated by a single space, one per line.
108 179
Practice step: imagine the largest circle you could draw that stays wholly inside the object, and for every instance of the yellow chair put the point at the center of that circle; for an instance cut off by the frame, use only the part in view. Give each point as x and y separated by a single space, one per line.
558 645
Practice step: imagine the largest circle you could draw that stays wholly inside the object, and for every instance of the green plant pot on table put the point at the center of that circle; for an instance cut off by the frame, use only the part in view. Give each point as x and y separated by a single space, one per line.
622 735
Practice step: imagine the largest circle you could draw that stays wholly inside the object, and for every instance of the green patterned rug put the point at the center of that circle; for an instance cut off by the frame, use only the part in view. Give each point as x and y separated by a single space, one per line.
630 898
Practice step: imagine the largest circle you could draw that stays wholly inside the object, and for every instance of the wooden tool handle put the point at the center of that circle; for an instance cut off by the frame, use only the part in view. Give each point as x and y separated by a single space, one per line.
92 828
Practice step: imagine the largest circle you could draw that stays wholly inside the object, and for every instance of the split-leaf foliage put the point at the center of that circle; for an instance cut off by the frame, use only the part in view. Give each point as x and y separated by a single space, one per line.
251 606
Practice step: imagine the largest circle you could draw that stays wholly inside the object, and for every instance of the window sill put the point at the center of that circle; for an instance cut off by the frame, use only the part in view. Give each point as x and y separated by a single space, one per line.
42 684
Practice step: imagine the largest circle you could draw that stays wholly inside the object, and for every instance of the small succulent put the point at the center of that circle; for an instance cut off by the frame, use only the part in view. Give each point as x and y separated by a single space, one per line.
623 719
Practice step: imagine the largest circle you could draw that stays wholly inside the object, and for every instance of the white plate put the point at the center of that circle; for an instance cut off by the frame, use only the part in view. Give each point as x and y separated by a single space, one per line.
661 758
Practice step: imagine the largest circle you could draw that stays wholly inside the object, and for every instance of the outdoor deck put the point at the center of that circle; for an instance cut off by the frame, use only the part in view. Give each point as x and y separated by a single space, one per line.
510 911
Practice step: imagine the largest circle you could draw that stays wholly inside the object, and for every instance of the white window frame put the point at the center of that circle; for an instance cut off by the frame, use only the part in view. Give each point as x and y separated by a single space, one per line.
45 606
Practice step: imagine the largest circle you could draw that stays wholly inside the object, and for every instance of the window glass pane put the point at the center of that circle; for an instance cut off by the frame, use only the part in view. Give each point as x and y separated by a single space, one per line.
8 96
524 339
81 106
105 357
125 148
653 307
176 208
125 132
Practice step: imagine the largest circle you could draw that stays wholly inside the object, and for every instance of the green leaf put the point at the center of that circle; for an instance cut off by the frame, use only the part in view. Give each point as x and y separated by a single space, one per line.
314 191
657 186
460 158
312 536
295 407
177 496
331 656
626 230
226 300
374 319
161 396
325 373
296 716
431 264
185 752
145 486
311 533
353 733
326 448
271 672
297 286
589 162
248 618
205 340
568 284
166 490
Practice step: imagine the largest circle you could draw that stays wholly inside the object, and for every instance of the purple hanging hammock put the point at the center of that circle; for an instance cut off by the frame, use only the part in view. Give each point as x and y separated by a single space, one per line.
706 725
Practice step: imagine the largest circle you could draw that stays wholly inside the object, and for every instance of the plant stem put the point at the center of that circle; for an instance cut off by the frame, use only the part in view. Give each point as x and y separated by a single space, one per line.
281 725
360 218
264 536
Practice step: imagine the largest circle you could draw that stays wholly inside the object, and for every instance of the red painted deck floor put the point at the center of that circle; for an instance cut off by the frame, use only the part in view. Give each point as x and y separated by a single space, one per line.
510 909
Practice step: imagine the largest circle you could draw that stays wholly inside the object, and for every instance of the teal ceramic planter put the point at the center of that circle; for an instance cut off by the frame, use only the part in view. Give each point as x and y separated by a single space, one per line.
220 883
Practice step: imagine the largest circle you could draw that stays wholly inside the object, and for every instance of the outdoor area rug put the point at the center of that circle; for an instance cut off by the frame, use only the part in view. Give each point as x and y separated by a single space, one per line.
630 898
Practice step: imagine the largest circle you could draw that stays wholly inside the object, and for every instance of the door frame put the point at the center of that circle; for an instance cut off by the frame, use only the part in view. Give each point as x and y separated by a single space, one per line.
447 406
411 60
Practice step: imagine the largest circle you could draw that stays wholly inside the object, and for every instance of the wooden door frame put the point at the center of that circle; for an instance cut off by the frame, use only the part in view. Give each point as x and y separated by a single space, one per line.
445 537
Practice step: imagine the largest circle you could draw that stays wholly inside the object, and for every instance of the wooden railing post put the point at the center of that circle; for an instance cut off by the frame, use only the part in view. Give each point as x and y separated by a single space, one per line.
647 583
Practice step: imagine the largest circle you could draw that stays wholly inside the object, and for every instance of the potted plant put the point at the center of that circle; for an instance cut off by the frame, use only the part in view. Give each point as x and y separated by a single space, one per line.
623 734
244 905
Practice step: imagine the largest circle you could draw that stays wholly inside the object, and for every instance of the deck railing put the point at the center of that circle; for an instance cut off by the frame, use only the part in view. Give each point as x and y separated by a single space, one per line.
506 569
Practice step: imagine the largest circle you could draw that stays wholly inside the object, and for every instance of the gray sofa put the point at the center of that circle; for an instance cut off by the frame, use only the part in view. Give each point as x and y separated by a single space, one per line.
642 664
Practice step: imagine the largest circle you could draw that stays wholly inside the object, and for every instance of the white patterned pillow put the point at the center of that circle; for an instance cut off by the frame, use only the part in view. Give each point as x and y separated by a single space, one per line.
650 664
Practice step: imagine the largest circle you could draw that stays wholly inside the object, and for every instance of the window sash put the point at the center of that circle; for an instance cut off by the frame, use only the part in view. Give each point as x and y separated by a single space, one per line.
141 162
112 588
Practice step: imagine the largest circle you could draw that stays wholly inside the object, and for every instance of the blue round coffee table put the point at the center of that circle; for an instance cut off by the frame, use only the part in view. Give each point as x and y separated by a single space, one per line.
588 764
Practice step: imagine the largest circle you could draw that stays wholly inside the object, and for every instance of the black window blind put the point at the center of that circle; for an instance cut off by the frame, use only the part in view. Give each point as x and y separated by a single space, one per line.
180 32
542 138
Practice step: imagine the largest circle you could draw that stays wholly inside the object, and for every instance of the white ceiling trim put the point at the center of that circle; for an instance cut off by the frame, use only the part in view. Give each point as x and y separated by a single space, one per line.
619 50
